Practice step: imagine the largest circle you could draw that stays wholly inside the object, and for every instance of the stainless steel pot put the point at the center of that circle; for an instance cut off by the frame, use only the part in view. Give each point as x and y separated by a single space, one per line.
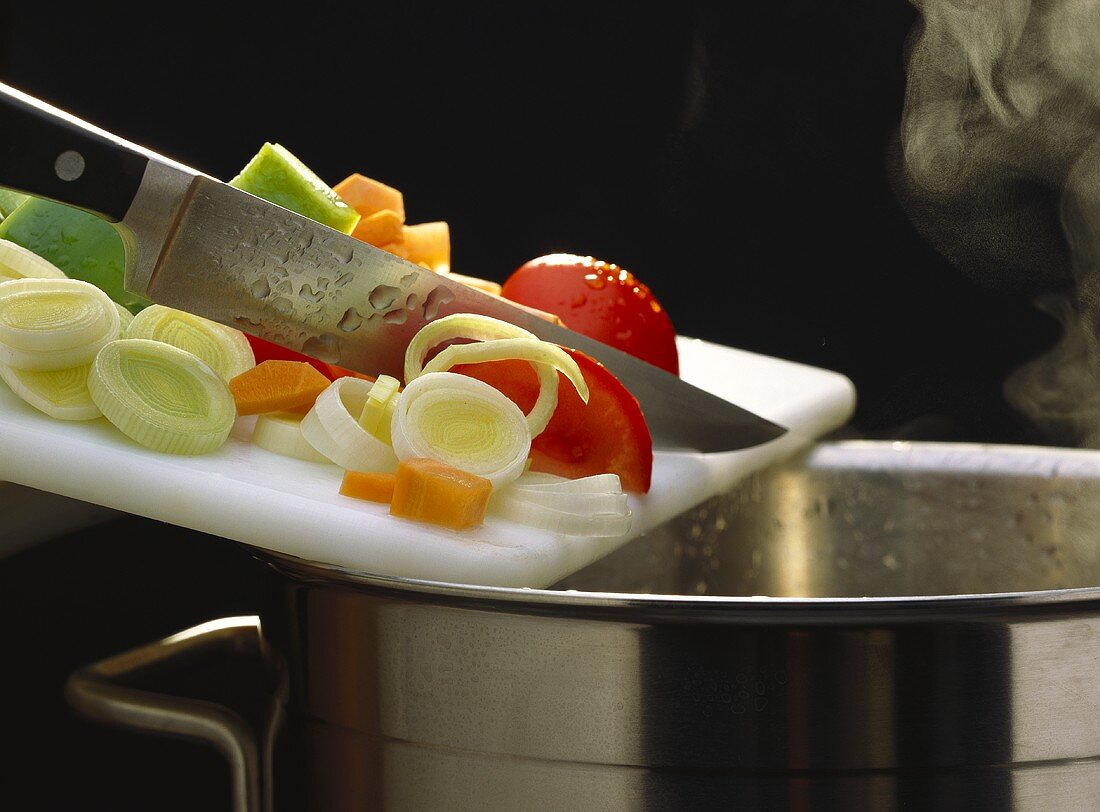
930 640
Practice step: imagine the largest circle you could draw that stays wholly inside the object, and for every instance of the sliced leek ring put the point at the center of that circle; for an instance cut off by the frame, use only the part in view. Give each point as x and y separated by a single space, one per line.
547 358
332 427
589 506
162 397
17 262
62 394
281 433
378 410
125 318
463 422
52 324
455 326
224 349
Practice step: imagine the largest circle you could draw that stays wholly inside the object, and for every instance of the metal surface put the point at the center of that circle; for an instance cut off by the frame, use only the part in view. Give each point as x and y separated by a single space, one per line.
935 647
213 250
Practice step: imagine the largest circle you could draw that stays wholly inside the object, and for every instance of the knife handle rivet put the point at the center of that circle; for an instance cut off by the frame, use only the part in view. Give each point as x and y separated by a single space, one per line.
69 165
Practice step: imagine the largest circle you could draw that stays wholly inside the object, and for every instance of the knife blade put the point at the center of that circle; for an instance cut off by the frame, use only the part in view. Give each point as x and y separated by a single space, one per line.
197 244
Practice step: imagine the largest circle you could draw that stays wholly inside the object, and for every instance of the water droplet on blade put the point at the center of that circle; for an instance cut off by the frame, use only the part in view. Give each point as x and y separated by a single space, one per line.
383 296
323 348
350 321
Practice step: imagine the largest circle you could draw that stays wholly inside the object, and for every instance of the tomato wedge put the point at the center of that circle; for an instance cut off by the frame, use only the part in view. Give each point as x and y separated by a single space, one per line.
607 435
265 350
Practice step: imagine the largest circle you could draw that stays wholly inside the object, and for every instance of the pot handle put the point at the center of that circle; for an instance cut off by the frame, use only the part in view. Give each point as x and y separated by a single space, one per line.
99 692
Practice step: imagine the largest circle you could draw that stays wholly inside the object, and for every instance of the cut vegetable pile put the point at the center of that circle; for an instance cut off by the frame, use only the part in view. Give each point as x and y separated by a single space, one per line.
467 433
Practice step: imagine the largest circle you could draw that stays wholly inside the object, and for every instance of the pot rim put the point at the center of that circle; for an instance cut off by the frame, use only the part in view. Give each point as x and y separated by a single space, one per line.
899 457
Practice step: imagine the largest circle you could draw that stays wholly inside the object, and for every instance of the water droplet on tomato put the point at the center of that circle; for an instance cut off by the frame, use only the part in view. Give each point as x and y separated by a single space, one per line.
594 281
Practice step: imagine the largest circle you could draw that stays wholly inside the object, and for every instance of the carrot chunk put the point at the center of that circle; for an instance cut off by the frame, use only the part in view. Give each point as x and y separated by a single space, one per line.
277 385
427 244
379 228
367 195
374 487
431 491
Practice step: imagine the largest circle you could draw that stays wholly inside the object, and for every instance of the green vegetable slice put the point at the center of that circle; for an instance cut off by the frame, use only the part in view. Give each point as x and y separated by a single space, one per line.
224 349
162 397
82 245
279 177
10 200
52 324
62 394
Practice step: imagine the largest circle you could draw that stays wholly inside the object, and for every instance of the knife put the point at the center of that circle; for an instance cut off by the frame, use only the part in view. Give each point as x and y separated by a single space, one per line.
197 244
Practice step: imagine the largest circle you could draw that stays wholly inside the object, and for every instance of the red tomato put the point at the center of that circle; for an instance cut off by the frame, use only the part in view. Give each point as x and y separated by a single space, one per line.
607 435
264 350
600 300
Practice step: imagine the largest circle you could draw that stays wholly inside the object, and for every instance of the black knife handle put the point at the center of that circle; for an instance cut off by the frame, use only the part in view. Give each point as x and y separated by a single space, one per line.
48 153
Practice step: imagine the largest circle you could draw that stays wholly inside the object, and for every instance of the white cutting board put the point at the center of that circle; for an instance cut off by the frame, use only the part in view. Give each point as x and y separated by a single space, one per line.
293 507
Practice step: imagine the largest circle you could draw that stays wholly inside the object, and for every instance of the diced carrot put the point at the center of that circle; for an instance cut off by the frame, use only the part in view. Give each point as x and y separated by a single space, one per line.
277 385
367 195
379 228
429 243
431 491
372 486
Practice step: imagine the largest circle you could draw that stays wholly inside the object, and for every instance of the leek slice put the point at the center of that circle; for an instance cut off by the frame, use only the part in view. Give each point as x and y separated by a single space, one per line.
378 410
281 433
332 427
463 422
17 262
163 397
589 506
224 349
62 394
548 358
52 324
125 318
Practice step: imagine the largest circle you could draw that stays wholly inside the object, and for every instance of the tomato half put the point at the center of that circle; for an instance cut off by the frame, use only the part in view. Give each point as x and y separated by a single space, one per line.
607 435
600 300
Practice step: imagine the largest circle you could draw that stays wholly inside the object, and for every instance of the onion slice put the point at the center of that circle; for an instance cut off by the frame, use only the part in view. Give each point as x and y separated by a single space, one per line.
281 433
589 506
163 397
463 422
223 348
62 394
378 410
332 427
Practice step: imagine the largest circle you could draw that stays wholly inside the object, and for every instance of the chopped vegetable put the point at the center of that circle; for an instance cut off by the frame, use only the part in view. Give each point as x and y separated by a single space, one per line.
600 300
222 348
484 329
332 427
281 433
381 403
16 262
589 506
82 245
62 393
427 244
379 228
607 435
10 201
370 485
368 196
279 177
464 423
161 396
125 319
51 324
277 386
428 490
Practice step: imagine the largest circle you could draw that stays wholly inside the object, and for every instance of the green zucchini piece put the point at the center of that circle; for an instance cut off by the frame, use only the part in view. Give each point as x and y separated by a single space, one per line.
80 244
278 177
9 200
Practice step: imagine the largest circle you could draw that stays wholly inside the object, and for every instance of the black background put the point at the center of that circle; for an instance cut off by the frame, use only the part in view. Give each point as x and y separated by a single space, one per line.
738 162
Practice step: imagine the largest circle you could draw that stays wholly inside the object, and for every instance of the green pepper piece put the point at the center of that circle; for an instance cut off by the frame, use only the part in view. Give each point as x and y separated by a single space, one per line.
80 244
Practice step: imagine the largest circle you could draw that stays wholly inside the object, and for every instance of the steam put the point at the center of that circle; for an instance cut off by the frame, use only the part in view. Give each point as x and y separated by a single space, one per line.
1000 159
